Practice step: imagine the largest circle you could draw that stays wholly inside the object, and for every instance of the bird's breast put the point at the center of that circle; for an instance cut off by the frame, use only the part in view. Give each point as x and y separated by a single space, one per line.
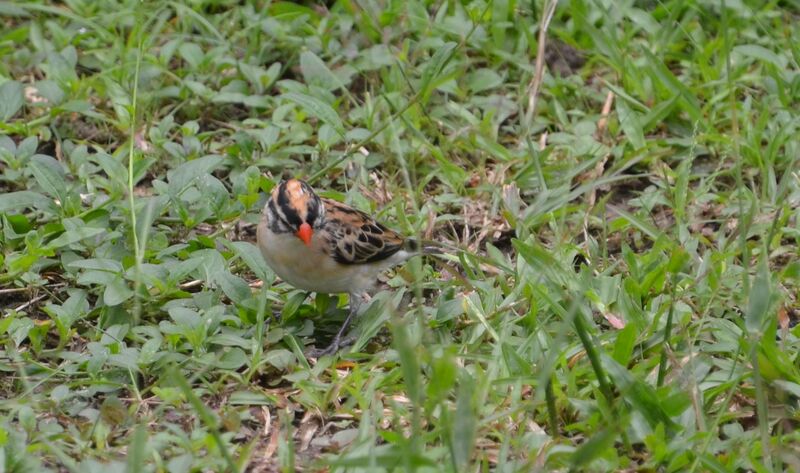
309 267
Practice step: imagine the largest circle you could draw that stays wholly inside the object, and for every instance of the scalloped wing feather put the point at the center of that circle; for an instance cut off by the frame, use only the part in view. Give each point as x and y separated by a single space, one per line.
356 238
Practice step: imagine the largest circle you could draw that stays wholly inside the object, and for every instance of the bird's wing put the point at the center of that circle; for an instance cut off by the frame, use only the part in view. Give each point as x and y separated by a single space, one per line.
356 238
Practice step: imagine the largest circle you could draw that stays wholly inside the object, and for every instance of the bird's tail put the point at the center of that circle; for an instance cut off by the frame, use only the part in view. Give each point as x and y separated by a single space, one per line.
425 247
436 248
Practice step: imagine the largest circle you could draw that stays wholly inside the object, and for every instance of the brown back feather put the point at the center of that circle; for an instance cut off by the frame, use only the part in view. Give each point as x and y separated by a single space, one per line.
357 238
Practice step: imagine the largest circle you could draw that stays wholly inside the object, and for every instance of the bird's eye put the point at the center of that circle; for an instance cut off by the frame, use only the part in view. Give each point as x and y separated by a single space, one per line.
313 213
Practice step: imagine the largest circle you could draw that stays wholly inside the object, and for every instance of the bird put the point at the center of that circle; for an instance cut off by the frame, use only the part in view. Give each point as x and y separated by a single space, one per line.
324 246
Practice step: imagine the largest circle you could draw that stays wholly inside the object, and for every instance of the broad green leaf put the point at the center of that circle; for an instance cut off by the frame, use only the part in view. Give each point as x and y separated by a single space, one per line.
9 9
762 54
280 358
375 57
417 14
83 107
8 148
789 387
542 262
250 398
49 90
21 200
606 45
102 278
258 77
465 422
658 113
631 124
384 456
234 287
185 317
12 98
409 360
317 109
184 175
643 20
60 67
112 167
443 375
117 292
211 264
179 270
623 94
292 304
316 72
19 329
230 340
638 393
623 347
27 147
712 464
74 235
500 13
644 226
435 65
483 79
15 226
199 89
255 101
192 54
758 304
288 11
99 264
232 359
252 257
137 452
593 448
50 176
127 359
449 172
687 99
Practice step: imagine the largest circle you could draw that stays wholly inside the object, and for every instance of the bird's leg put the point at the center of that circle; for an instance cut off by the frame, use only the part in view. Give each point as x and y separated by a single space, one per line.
356 300
338 342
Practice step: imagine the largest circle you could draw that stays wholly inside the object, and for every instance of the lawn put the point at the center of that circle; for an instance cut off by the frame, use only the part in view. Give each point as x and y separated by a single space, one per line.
616 184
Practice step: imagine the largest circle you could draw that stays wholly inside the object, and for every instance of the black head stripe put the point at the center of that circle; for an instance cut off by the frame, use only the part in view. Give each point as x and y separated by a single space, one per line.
283 197
291 216
277 222
284 208
313 213
316 212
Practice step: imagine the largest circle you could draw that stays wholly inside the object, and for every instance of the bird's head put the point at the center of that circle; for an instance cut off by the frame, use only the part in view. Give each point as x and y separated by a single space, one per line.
296 208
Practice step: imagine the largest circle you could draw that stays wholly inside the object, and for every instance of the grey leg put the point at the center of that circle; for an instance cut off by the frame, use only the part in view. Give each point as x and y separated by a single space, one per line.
338 342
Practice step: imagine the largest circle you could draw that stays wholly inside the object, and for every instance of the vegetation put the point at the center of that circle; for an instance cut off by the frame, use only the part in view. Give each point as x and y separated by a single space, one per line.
620 180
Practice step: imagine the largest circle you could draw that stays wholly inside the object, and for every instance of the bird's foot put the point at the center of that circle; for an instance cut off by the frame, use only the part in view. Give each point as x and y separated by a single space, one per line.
334 347
340 341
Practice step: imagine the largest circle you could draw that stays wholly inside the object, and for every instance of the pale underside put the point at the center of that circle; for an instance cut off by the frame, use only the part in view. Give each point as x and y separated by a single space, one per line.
311 268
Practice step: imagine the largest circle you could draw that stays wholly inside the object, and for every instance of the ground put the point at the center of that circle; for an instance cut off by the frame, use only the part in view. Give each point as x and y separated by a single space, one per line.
616 184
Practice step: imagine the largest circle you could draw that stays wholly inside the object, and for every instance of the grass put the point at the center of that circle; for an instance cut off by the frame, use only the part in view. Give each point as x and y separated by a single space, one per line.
624 296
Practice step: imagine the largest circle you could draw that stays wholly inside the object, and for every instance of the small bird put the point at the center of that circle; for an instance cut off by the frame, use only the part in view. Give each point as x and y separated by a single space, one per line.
322 245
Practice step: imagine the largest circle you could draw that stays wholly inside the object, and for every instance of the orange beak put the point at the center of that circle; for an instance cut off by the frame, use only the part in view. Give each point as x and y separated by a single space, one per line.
304 233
